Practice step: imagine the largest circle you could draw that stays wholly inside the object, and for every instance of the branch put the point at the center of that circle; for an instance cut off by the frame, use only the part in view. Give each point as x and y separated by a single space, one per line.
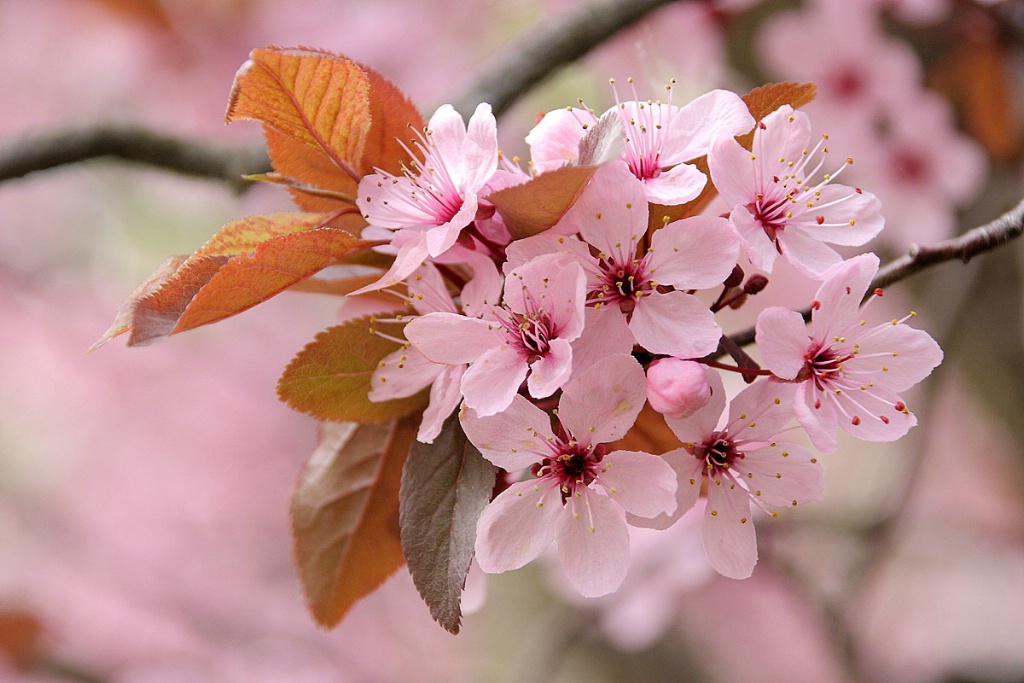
188 157
984 238
526 63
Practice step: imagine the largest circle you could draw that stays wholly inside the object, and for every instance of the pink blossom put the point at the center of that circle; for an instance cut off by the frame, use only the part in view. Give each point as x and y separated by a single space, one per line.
435 199
848 374
528 334
637 280
659 139
406 371
578 493
777 206
743 461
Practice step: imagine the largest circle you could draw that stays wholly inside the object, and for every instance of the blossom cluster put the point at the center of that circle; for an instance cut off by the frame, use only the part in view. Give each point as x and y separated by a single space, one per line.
550 345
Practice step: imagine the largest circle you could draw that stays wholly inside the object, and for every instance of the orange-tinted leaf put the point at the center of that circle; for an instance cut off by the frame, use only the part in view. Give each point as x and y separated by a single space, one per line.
315 108
393 118
536 205
330 378
649 434
125 314
345 514
760 101
276 265
242 236
20 633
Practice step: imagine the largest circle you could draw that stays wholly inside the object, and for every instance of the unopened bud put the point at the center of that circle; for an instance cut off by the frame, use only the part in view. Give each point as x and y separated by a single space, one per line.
676 388
755 284
735 277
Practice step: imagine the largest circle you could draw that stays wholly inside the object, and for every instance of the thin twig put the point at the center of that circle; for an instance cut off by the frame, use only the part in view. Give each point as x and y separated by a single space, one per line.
984 238
529 61
20 157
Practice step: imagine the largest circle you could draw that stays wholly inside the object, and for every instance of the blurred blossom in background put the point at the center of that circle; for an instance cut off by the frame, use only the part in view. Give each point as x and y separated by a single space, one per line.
144 493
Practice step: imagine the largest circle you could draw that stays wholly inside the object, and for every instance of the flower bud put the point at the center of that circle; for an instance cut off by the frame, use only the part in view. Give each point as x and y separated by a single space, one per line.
676 388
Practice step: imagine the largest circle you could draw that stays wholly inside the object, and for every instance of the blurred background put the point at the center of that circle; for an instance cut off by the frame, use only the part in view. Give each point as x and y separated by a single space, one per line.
144 492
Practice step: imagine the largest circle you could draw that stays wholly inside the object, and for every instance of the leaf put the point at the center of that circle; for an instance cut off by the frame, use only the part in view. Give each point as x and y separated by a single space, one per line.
760 101
20 635
539 203
445 487
394 123
315 110
330 378
245 263
344 514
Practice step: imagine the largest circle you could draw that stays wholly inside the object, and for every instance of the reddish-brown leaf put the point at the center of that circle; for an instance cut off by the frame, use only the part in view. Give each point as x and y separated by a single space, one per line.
760 101
315 109
245 263
345 514
536 205
20 633
276 265
331 377
394 120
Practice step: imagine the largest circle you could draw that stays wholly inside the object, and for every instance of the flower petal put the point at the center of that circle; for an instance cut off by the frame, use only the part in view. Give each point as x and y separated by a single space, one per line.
602 403
676 324
513 439
677 185
838 299
729 538
593 544
689 478
434 335
643 484
694 253
552 370
695 125
782 339
517 526
493 379
699 425
782 475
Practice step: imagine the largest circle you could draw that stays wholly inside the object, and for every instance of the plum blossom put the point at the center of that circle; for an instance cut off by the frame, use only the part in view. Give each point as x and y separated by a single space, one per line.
778 209
742 461
638 281
437 197
659 139
528 333
577 493
847 374
406 371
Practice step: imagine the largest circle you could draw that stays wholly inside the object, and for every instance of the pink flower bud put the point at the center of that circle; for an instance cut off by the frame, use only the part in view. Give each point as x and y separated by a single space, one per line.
676 388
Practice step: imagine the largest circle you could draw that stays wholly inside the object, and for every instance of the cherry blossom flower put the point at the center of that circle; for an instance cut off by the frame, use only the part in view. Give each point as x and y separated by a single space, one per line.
660 138
528 333
742 461
435 199
407 371
848 374
628 278
778 208
577 493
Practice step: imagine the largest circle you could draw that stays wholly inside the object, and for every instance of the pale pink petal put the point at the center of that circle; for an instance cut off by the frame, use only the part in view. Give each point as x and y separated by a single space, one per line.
838 299
782 475
555 140
761 410
611 214
676 324
517 526
759 248
782 339
896 357
841 204
427 291
403 373
816 416
451 338
732 172
529 248
698 426
694 253
593 544
479 149
641 483
729 538
694 126
605 334
860 411
602 403
554 283
484 290
445 396
493 379
677 185
552 370
807 255
513 439
441 238
689 477
783 134
412 252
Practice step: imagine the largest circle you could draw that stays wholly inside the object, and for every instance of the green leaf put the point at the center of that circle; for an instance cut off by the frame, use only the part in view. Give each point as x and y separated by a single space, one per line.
445 487
331 377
